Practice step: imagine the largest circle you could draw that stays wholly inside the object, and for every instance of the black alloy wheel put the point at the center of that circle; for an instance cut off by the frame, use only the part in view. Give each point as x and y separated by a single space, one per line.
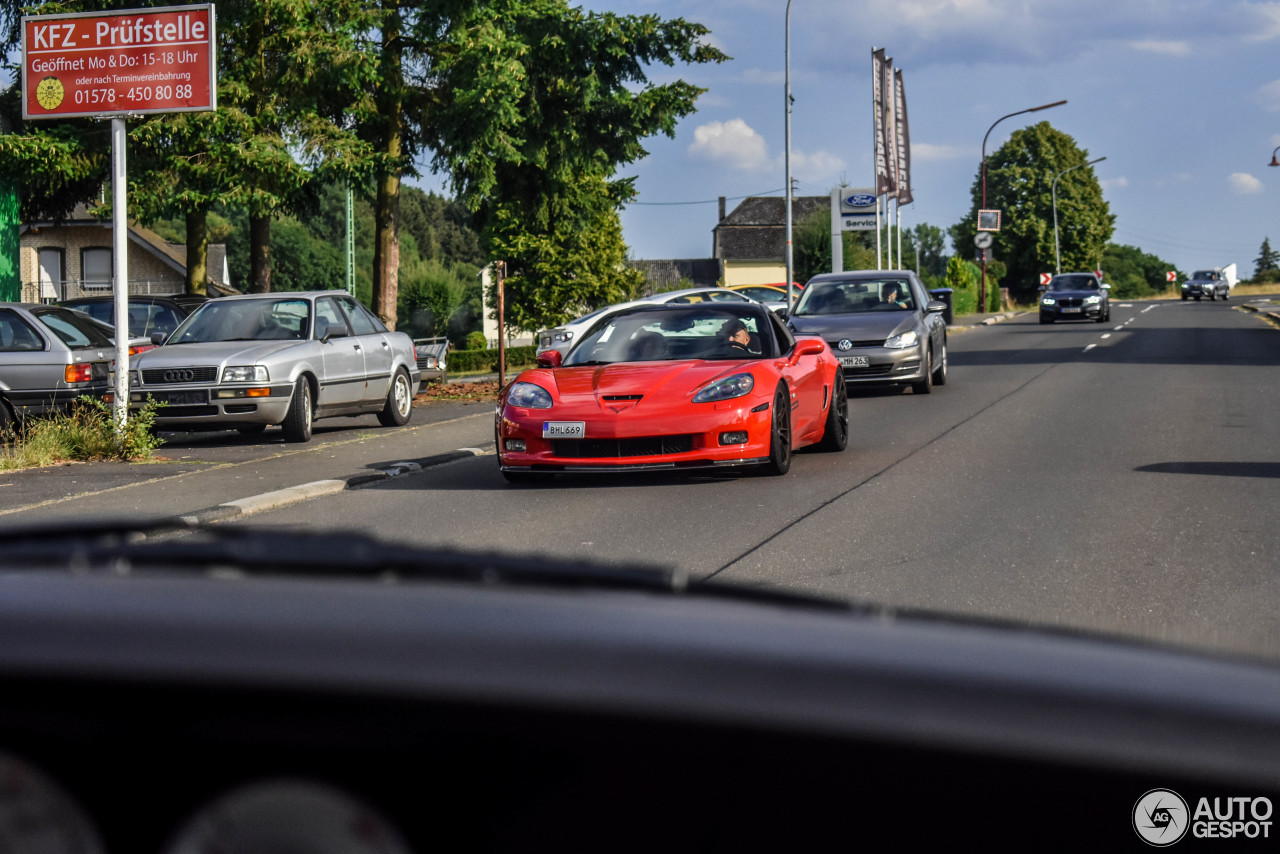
780 435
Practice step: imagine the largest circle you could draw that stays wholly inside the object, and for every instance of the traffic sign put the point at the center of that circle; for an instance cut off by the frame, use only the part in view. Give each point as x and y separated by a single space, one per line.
1171 276
1045 277
120 63
982 239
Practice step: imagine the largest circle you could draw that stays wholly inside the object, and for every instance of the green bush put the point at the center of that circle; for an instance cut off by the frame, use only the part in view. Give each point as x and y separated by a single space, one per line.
86 431
467 361
476 341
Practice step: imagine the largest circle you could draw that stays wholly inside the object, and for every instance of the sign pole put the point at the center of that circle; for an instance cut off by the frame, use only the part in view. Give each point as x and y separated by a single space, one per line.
501 270
120 268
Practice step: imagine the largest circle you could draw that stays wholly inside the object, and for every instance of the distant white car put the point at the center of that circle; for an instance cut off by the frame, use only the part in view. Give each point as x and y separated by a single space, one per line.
563 337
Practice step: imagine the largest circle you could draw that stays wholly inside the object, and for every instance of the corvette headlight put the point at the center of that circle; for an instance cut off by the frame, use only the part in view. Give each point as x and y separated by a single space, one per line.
1093 300
903 341
563 336
1048 301
726 389
245 374
529 396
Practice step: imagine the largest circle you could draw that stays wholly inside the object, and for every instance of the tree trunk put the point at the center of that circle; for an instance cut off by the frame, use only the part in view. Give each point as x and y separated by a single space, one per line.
386 247
197 252
259 254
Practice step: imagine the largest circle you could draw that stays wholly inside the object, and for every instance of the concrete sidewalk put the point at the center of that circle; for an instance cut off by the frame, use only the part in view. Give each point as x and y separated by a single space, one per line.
219 476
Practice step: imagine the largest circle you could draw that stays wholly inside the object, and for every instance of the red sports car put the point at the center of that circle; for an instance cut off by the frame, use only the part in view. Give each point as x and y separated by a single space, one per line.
670 387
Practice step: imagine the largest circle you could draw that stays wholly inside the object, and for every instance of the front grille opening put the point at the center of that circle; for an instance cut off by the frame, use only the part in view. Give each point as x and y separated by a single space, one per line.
643 446
239 408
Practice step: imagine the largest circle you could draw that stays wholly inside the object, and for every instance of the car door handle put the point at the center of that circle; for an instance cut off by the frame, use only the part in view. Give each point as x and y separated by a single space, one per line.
386 346
357 347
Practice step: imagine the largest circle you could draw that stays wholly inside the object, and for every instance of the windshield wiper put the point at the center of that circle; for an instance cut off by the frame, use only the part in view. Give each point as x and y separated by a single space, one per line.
174 546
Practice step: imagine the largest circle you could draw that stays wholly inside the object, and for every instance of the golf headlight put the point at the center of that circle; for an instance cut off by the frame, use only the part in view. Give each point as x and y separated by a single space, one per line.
726 389
903 341
1048 301
1094 300
529 396
245 374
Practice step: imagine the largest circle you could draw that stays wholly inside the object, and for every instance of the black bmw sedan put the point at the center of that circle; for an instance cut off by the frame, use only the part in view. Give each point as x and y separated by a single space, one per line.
1075 296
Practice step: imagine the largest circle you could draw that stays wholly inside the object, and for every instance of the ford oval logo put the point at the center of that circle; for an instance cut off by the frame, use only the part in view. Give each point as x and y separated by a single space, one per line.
860 200
183 376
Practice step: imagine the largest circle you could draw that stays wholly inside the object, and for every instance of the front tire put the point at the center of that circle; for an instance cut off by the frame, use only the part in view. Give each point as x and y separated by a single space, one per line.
298 421
399 405
925 386
835 436
780 435
940 373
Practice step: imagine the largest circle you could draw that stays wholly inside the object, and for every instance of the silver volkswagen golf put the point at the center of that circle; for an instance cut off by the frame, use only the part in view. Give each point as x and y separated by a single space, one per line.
251 361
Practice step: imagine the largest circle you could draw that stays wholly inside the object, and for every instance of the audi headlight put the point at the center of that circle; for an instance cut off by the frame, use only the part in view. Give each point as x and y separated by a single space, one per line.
1048 301
529 396
245 374
726 389
1093 300
903 341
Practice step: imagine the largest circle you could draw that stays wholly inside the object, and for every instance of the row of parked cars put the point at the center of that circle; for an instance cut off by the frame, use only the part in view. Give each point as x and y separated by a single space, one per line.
244 362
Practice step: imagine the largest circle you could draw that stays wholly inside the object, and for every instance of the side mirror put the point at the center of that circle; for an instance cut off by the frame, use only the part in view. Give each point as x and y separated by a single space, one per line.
807 347
157 338
934 306
549 359
1105 286
334 330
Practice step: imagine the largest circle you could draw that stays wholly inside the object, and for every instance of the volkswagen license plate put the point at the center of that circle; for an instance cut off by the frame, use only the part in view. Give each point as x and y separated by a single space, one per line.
855 361
1071 311
564 429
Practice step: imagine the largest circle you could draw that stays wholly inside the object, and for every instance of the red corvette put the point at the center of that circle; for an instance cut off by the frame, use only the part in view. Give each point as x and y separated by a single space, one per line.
670 387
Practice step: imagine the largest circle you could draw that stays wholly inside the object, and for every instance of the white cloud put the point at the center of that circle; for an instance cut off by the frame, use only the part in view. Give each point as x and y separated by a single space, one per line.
1114 183
1244 183
1268 97
1167 48
817 166
925 151
734 143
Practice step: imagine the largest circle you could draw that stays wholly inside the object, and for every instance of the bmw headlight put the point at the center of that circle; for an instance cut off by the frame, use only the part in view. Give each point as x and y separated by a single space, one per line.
903 341
1048 301
726 389
245 374
1093 300
529 396
1185 285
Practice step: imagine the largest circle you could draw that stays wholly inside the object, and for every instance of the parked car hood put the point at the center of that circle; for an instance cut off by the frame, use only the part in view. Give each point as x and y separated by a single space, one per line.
212 352
859 327
1079 292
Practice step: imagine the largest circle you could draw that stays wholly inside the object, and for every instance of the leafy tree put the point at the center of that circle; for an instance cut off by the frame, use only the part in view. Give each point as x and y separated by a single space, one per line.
811 238
1268 259
931 241
1019 184
1133 273
962 278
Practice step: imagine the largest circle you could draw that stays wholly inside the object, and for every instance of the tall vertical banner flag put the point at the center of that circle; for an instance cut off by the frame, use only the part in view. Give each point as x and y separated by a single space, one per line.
890 126
884 180
903 140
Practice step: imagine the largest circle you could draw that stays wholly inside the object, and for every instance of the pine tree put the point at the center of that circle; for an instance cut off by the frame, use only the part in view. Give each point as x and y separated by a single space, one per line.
1268 259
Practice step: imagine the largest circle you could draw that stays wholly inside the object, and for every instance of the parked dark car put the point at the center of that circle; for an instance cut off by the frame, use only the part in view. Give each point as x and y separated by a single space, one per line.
49 357
881 324
1075 296
147 314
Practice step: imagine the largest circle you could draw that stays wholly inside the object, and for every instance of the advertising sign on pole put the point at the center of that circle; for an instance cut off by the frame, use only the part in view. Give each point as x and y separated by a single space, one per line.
126 62
857 209
902 139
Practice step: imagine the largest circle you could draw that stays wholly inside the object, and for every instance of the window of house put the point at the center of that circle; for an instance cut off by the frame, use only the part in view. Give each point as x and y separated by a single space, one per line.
95 267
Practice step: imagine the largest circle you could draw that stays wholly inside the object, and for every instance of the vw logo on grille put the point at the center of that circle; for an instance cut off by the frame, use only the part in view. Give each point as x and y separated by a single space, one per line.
181 376
844 344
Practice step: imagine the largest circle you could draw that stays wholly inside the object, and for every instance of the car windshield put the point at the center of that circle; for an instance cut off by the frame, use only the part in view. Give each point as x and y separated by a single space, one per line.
145 318
1204 274
74 330
854 297
648 335
245 320
1073 283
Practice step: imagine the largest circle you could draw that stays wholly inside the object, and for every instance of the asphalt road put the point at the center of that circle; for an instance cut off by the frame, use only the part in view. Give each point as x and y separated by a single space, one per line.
1121 477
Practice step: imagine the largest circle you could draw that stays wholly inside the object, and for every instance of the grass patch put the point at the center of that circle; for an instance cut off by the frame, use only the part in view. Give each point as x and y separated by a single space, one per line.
85 432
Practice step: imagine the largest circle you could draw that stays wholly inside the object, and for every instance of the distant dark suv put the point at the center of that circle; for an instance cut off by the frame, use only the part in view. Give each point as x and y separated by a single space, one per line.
1206 283
1075 296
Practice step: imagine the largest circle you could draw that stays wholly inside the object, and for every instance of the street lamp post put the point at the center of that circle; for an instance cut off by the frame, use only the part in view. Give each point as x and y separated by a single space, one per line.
787 157
982 291
1057 257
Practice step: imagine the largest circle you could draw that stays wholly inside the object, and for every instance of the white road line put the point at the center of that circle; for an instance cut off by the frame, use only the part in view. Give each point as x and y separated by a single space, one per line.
1105 336
1090 347
1120 328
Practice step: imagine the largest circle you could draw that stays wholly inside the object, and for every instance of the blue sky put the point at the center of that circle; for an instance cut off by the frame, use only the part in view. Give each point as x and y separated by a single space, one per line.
1181 96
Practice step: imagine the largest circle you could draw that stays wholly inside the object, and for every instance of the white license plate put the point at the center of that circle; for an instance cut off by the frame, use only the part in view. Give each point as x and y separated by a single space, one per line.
564 429
1071 311
855 361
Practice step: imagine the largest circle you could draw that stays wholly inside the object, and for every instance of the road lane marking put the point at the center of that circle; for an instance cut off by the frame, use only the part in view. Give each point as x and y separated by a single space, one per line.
1106 336
1090 347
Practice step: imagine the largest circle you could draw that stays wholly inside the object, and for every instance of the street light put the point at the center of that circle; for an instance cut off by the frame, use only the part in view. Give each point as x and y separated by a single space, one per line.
1274 162
1057 258
787 158
982 292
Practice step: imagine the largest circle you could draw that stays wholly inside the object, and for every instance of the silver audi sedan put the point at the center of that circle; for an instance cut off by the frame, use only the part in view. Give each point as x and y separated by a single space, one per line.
251 361
49 357
882 325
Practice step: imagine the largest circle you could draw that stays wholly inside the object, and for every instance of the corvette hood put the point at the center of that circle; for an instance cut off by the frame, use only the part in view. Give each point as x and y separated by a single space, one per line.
869 326
212 353
625 385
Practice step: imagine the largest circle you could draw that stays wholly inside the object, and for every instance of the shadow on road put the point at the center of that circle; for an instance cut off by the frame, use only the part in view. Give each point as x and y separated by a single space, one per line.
1220 469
